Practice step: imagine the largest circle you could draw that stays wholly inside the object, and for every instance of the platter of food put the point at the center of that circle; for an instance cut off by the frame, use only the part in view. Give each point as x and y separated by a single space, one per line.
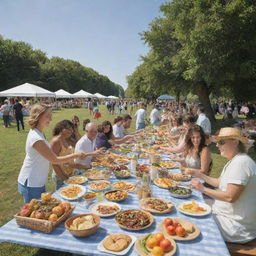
179 176
179 229
116 195
168 164
83 225
156 205
180 192
105 209
95 174
155 244
165 182
194 208
134 219
123 185
122 161
72 192
122 172
75 180
99 185
117 244
45 214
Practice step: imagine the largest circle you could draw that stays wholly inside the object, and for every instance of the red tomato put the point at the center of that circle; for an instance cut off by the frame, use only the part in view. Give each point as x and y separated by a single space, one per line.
180 231
176 224
168 222
170 230
166 245
159 237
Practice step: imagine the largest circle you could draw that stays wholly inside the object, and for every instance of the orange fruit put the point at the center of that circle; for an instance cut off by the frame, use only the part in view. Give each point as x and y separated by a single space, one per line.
151 242
157 251
159 237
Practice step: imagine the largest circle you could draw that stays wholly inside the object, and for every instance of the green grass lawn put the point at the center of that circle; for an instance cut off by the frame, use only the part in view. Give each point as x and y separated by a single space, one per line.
12 153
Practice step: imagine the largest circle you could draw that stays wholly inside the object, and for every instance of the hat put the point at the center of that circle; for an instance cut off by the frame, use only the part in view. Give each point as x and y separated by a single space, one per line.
230 133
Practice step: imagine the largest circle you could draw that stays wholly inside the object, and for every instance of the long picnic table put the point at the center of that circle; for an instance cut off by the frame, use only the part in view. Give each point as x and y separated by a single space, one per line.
210 241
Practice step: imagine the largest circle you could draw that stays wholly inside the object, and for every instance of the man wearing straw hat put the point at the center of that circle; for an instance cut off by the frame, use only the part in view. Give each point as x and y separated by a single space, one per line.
234 207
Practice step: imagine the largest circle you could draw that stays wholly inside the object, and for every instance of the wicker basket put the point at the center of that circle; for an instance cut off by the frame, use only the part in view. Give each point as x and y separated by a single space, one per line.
84 232
45 226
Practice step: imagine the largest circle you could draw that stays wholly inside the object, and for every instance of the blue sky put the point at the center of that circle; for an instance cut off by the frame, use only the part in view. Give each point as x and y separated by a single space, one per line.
101 34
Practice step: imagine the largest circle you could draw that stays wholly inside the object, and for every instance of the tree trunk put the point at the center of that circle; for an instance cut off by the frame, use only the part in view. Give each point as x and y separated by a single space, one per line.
203 93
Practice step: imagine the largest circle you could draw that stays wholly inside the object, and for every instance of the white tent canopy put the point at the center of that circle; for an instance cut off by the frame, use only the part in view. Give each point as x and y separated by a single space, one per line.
112 97
82 94
27 90
100 96
63 94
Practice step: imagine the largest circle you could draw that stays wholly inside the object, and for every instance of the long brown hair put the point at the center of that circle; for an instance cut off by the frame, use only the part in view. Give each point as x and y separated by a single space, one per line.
101 129
189 145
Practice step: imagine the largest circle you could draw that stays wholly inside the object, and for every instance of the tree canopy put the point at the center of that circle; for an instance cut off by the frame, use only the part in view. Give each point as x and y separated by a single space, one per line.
200 46
20 63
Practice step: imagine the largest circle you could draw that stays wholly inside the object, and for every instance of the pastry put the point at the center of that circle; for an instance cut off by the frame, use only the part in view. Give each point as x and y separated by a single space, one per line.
117 242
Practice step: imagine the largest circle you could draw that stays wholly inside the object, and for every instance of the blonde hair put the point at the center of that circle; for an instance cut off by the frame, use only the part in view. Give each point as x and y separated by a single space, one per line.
35 114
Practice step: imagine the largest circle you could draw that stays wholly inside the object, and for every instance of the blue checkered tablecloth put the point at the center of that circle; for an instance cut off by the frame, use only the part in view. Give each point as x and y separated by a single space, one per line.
208 243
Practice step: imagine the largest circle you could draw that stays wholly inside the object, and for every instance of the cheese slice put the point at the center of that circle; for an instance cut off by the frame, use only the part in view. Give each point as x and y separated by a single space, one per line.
186 225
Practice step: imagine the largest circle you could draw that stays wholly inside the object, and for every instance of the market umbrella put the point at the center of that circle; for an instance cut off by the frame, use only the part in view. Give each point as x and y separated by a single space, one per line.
166 97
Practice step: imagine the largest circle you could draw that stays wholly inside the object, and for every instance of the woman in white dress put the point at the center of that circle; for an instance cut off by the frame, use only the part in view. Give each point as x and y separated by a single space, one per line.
234 207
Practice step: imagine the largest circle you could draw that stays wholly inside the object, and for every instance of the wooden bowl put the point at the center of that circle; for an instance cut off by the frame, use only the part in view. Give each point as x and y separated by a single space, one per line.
84 232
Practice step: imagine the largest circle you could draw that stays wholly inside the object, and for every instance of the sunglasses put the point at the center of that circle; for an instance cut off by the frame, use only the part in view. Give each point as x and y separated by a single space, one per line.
221 142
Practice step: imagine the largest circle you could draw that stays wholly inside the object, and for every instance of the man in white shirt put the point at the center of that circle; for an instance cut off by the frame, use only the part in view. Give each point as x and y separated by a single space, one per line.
141 117
155 116
203 120
87 144
119 131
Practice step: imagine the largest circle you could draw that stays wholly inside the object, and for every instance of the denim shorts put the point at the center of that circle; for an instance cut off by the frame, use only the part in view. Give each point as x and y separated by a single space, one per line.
29 193
140 126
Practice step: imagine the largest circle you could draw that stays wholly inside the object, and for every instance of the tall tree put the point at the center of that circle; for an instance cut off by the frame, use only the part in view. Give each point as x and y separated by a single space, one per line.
207 43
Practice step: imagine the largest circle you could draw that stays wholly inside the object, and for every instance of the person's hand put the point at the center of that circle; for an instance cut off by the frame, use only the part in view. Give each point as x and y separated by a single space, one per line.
82 155
129 137
195 183
99 151
193 172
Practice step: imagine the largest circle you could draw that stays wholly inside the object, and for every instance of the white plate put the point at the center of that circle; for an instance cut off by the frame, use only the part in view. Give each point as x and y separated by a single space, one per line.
93 208
73 198
99 190
101 248
205 206
79 176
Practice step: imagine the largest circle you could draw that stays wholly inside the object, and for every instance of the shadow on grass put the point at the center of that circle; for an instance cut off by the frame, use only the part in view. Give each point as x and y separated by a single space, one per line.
46 252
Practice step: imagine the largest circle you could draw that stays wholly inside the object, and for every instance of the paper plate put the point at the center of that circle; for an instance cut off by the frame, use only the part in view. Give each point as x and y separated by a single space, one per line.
187 212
